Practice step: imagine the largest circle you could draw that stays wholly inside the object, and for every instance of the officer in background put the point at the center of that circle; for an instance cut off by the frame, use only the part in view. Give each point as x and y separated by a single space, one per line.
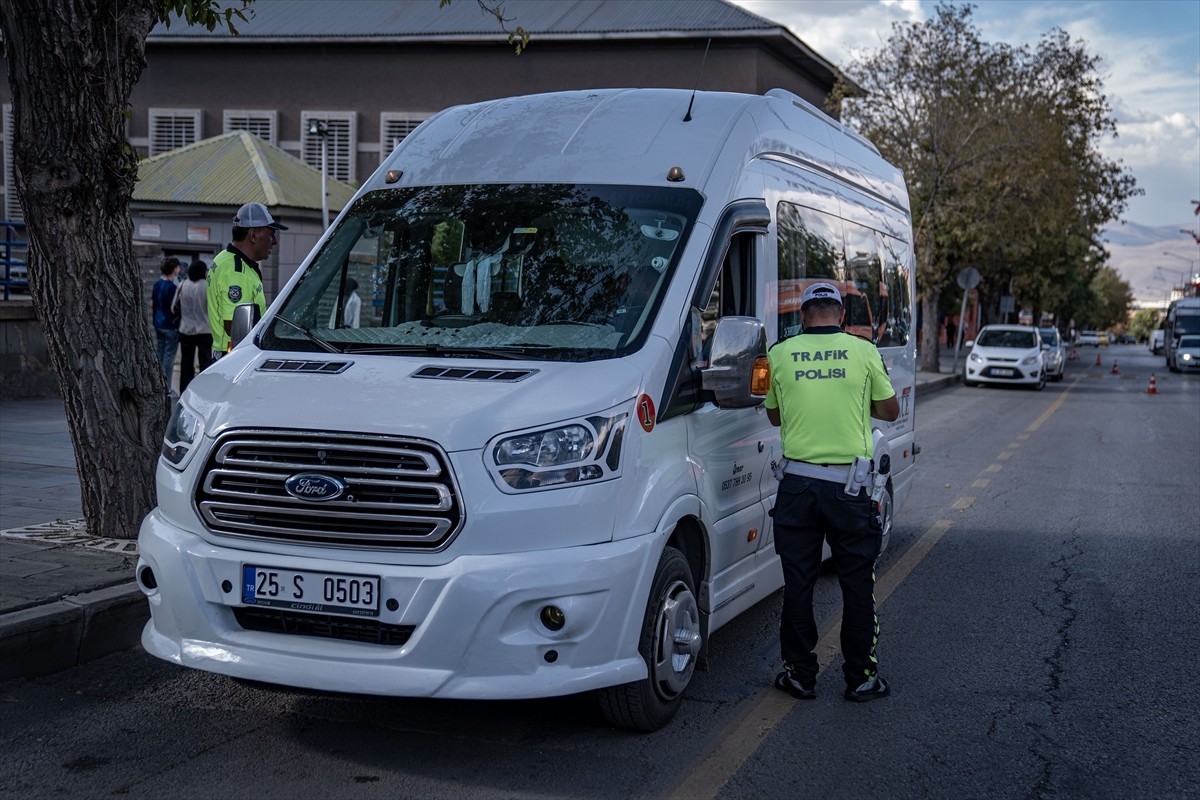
235 276
826 385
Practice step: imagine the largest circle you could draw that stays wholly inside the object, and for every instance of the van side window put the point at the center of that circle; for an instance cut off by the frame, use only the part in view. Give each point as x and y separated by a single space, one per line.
863 295
894 320
733 293
810 248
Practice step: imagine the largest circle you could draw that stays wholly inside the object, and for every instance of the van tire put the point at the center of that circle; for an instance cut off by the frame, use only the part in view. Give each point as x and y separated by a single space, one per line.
670 644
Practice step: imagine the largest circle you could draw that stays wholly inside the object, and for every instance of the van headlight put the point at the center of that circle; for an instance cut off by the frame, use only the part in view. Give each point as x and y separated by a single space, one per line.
184 430
580 451
1032 359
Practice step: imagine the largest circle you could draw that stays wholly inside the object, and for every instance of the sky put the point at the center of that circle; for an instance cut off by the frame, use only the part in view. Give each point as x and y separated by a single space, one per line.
1150 65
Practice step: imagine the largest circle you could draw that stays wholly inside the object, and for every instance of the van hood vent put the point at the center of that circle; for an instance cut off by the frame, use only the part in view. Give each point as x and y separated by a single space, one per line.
295 365
474 374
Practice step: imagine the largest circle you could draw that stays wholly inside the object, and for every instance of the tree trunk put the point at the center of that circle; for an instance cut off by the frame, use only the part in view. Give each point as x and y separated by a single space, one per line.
929 359
72 65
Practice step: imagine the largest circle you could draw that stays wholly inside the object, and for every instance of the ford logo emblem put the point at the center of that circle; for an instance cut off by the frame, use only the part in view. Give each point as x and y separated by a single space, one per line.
314 487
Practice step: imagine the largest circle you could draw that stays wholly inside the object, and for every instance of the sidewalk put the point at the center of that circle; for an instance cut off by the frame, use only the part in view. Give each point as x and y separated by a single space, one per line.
66 597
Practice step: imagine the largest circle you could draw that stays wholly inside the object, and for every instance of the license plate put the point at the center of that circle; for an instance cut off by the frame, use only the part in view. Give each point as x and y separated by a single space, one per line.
312 591
1001 372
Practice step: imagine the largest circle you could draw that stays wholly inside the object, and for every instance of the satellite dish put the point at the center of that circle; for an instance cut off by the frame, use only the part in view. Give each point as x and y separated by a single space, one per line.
969 278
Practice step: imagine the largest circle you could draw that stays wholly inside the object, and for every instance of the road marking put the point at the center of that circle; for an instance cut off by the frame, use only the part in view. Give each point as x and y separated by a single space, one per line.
1037 423
1006 455
981 482
763 712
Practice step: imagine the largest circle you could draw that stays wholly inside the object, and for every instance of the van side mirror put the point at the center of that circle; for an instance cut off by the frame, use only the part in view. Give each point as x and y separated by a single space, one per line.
245 317
737 373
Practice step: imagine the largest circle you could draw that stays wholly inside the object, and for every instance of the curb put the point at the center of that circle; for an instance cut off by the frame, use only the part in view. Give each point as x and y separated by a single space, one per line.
937 384
44 639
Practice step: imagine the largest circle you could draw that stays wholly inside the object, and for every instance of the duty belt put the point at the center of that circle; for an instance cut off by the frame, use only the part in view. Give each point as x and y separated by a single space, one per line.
806 470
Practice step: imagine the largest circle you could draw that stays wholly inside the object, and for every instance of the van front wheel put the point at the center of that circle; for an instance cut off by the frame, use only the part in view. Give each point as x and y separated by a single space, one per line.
670 644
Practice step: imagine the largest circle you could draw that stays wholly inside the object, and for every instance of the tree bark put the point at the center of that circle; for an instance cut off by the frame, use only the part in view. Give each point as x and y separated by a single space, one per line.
929 359
72 65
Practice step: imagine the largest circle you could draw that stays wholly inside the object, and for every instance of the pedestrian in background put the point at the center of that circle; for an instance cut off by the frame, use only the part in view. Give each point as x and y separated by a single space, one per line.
195 338
236 277
166 321
825 387
351 309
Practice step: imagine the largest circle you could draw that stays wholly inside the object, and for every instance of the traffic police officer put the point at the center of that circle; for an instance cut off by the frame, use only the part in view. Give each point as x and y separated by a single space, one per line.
235 276
826 385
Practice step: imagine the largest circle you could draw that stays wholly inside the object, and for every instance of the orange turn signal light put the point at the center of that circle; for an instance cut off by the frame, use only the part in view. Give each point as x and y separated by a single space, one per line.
760 377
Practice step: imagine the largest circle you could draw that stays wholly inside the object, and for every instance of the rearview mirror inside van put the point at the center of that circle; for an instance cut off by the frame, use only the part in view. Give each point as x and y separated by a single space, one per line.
737 343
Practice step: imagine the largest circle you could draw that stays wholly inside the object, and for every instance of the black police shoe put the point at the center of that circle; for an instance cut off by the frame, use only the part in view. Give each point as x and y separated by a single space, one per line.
786 683
871 690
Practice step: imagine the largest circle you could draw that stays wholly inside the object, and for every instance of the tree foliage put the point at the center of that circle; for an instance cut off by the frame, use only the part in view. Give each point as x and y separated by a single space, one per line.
999 147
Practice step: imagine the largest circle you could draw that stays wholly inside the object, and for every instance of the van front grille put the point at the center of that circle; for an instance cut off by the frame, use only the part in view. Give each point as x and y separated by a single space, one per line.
392 492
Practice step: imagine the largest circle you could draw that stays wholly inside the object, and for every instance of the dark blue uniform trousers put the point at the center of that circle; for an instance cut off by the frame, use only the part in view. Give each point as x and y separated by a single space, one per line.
807 512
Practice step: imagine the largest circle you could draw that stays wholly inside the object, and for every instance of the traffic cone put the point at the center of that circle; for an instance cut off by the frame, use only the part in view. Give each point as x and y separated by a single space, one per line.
1097 359
1115 371
1153 387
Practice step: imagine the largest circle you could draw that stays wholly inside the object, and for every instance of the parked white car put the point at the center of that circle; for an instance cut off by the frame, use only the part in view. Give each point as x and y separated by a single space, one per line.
1006 354
1157 340
1187 354
1054 353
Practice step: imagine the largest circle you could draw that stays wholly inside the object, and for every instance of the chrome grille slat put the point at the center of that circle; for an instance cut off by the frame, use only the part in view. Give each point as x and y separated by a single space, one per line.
225 483
275 455
399 493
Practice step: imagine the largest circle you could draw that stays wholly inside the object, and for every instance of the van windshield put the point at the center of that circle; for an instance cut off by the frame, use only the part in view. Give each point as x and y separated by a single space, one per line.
541 271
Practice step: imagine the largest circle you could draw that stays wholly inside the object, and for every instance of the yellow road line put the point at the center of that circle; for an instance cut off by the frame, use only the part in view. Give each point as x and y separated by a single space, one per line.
762 713
1037 423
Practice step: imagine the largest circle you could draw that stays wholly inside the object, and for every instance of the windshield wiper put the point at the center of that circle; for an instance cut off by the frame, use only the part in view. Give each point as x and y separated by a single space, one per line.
440 350
312 337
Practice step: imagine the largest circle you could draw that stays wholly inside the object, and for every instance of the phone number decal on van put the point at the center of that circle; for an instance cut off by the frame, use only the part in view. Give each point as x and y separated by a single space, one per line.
307 590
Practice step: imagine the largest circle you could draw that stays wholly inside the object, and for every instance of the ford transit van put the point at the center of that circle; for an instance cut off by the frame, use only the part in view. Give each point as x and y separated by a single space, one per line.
535 462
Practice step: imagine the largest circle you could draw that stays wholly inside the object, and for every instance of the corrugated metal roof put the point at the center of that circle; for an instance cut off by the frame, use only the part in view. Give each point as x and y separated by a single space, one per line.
406 19
232 169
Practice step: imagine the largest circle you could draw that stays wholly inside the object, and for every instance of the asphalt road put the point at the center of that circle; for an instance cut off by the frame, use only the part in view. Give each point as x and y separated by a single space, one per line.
1038 613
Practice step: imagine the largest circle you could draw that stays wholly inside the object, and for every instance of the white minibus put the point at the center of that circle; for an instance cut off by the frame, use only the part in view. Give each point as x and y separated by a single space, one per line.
536 463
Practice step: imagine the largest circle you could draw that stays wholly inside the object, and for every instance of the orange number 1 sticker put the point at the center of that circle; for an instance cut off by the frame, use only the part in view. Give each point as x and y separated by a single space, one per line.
645 412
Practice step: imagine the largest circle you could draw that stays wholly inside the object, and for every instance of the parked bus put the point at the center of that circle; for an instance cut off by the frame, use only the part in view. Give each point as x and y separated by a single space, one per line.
1183 317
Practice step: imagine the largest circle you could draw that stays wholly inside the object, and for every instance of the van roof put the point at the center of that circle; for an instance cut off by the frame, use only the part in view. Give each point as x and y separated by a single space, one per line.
634 137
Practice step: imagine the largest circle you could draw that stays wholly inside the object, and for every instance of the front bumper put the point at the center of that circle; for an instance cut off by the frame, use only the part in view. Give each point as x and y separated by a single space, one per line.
1003 372
475 623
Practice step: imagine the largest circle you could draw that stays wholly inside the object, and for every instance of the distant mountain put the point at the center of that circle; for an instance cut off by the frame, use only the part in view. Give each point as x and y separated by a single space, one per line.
1136 253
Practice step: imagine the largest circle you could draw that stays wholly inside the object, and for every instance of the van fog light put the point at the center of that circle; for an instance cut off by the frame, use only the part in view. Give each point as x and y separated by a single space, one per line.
553 618
147 577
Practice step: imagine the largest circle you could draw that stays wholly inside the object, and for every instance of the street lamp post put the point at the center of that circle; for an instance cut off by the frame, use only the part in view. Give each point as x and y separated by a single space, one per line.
319 127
